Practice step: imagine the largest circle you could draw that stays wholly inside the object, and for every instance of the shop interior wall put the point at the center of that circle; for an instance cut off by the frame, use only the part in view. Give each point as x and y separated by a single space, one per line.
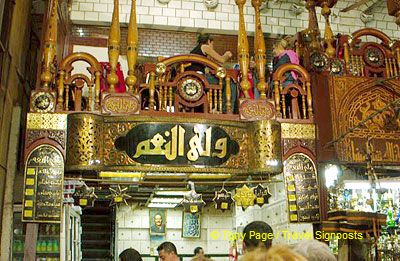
12 81
133 230
13 84
133 225
193 16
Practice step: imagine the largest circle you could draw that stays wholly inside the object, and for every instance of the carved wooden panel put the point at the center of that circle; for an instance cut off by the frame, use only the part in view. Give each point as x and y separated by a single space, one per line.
352 101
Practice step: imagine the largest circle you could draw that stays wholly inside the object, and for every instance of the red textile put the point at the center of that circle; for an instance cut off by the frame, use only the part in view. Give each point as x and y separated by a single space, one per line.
251 80
105 68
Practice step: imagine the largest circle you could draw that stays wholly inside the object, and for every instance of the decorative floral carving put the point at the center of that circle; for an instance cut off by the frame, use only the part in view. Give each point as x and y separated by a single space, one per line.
298 131
267 146
292 143
112 156
241 160
57 135
84 140
47 121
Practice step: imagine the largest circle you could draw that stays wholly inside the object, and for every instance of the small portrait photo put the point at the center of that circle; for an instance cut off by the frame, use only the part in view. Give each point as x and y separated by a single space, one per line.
157 221
191 225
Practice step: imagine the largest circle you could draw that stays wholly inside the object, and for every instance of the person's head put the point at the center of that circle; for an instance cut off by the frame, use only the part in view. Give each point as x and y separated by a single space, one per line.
257 234
130 254
314 250
198 251
282 45
275 253
167 252
158 220
205 39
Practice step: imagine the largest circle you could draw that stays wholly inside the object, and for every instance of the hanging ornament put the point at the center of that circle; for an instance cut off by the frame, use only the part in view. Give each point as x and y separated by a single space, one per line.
262 195
244 197
118 195
223 200
85 196
193 202
211 4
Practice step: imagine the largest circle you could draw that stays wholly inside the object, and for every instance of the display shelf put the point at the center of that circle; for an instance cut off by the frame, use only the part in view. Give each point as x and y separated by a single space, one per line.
48 236
38 253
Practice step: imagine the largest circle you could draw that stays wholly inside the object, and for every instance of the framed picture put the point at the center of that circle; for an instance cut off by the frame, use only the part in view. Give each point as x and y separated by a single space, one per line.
191 225
157 221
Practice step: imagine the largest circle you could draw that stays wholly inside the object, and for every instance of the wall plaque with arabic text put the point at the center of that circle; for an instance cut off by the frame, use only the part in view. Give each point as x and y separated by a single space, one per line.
43 188
302 189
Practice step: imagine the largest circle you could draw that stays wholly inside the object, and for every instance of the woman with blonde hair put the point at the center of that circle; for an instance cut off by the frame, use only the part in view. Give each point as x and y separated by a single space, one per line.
284 54
274 253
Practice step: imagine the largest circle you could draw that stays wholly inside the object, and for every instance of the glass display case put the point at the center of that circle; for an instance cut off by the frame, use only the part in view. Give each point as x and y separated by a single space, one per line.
71 234
47 244
18 242
347 192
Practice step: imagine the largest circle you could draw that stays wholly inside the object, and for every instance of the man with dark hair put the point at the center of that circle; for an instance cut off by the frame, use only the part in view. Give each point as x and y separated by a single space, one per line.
257 234
130 254
199 255
167 252
198 251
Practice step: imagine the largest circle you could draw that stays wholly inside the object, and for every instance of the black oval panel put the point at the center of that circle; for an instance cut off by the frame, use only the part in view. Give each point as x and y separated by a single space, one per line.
178 144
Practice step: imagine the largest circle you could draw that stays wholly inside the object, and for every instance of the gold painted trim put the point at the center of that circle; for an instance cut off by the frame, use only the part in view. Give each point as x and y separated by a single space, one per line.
47 121
151 176
172 119
153 168
112 174
298 131
210 176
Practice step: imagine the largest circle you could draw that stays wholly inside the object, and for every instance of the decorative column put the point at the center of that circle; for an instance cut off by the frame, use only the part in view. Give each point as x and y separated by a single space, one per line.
243 50
114 47
313 25
50 47
259 50
132 49
326 11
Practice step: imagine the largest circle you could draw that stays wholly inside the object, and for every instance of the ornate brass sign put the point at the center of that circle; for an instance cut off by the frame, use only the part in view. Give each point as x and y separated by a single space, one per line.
256 110
302 189
43 190
120 103
167 144
170 145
